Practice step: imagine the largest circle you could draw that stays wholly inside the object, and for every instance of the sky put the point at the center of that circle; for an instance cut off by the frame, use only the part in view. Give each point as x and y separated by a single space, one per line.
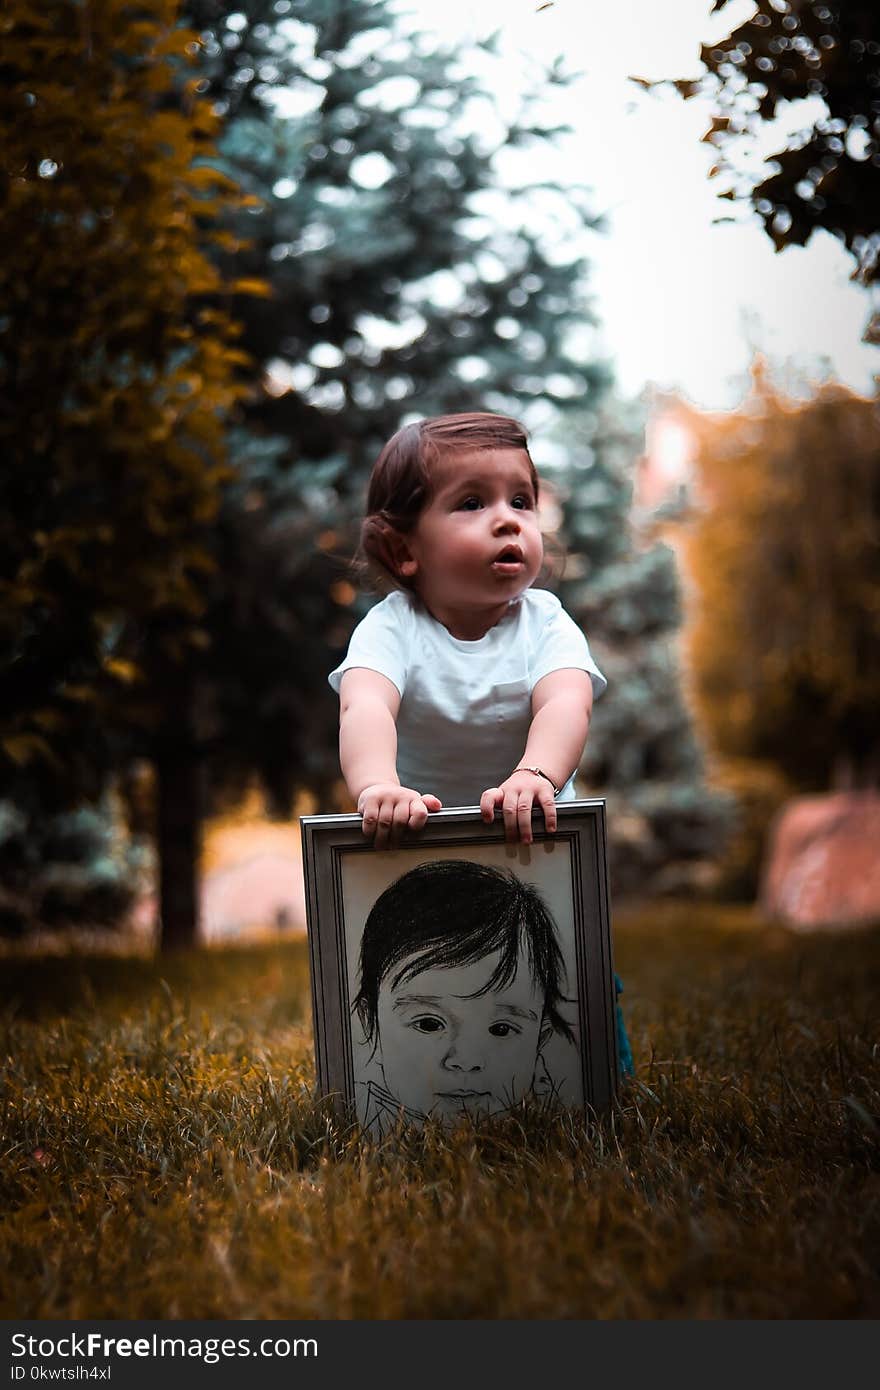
682 302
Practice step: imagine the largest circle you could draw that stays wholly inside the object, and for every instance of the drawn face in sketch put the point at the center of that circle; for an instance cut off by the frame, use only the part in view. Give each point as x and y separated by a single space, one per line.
448 1042
461 979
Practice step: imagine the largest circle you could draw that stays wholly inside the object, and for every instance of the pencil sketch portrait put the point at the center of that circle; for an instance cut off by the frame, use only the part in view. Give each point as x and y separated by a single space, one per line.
457 976
461 986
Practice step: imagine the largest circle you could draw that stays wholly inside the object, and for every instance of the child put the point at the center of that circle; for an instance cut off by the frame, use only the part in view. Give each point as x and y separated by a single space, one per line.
465 685
461 981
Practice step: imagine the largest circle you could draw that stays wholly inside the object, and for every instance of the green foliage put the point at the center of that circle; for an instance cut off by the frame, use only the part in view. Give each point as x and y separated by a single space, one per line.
71 868
278 607
158 1122
827 54
198 607
115 385
623 589
393 254
759 790
406 273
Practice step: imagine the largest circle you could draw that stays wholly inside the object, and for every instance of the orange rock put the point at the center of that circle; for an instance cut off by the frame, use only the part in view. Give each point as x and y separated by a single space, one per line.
822 867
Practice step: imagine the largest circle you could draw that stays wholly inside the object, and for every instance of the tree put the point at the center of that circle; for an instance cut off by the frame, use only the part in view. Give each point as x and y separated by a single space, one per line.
374 222
382 216
112 407
826 55
117 378
785 650
621 585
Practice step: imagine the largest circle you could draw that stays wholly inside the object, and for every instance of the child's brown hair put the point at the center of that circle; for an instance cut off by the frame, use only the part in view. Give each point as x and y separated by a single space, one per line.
400 485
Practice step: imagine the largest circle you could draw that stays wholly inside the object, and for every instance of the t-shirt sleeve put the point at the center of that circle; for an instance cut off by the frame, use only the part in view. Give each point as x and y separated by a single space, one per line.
378 643
563 646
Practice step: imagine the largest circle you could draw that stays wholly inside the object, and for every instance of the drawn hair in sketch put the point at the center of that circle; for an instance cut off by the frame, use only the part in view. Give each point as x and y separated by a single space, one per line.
455 913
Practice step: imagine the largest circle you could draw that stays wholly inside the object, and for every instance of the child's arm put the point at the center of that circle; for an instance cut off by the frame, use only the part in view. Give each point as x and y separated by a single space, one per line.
368 705
561 707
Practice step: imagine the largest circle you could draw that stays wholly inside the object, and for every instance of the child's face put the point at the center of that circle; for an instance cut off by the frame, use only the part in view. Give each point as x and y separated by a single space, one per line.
445 1049
477 544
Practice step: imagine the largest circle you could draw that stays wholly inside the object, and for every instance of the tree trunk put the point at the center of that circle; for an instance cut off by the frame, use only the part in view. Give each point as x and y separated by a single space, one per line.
178 839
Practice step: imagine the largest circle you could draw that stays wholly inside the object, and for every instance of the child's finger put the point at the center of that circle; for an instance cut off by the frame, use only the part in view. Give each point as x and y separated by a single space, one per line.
488 801
370 816
548 806
433 803
399 822
384 818
418 813
510 807
524 804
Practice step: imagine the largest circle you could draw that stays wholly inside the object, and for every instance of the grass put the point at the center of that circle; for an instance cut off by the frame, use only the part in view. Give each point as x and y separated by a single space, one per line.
163 1155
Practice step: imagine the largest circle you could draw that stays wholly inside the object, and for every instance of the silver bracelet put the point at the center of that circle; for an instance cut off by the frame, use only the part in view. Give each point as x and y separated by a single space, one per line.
539 773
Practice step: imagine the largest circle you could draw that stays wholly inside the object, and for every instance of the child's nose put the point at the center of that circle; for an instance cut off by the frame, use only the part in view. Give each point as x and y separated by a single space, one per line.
507 519
461 1057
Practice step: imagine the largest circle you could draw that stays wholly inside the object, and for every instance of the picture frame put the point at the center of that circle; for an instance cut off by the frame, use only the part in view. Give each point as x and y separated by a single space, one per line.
457 973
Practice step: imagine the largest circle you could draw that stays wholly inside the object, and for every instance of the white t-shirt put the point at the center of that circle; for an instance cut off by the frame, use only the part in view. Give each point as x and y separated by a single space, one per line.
465 707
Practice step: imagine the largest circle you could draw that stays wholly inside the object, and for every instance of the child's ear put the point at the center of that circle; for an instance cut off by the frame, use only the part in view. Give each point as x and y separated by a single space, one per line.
405 563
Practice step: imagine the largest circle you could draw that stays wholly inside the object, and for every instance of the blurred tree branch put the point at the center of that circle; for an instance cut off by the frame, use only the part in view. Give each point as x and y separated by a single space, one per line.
822 62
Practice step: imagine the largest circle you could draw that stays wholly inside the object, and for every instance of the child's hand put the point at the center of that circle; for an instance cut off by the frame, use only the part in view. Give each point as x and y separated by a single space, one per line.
516 797
388 809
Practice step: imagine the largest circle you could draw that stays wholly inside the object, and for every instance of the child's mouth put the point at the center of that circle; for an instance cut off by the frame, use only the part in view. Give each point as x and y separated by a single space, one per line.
508 561
463 1095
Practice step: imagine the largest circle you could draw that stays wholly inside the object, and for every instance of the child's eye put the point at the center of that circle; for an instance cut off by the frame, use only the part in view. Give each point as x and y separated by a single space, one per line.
470 504
428 1024
522 501
502 1030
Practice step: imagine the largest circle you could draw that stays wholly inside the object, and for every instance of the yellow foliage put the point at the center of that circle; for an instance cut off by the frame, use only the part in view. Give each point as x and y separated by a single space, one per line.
245 285
125 671
784 559
25 748
115 394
